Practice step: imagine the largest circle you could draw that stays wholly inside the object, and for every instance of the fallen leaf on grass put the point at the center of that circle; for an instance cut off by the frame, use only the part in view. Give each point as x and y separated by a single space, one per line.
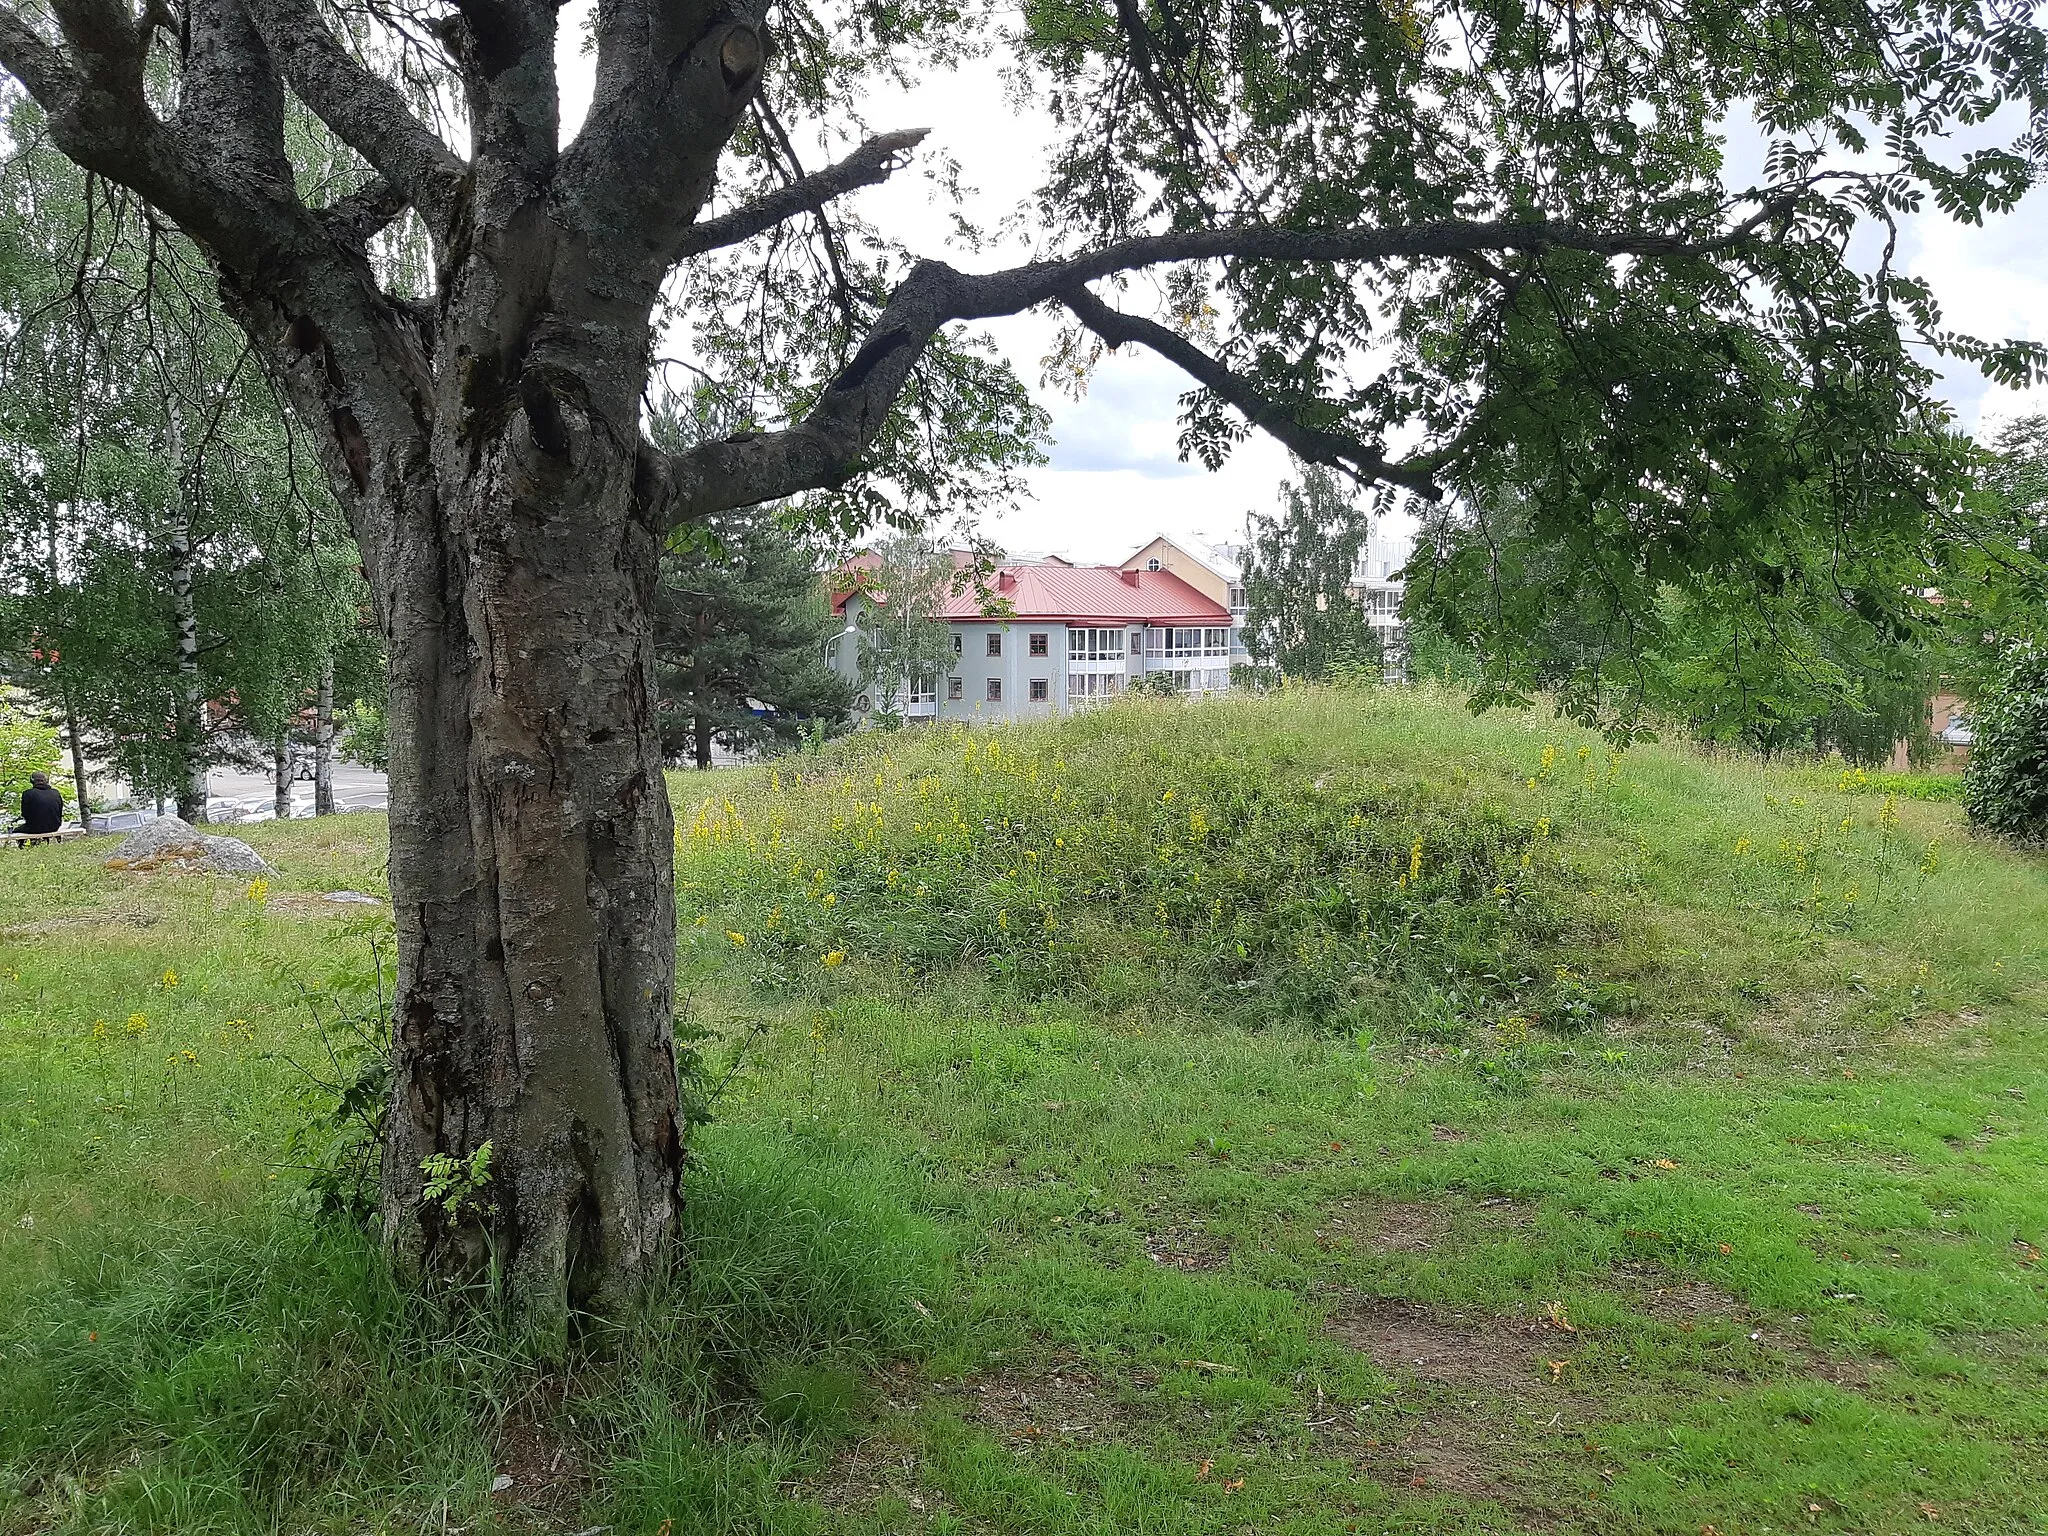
1202 1472
1557 1368
1210 1365
1235 1485
1931 1512
1664 1162
1555 1316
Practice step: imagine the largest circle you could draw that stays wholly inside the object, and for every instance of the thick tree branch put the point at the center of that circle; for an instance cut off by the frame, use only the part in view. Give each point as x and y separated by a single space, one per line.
364 109
672 81
364 212
1364 462
825 447
230 98
874 162
26 55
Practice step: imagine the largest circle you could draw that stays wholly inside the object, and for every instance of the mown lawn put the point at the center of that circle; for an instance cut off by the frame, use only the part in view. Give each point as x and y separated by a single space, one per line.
1311 1115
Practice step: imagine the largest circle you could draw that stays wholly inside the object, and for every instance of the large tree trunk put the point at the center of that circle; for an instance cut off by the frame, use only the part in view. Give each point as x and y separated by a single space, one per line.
531 847
323 741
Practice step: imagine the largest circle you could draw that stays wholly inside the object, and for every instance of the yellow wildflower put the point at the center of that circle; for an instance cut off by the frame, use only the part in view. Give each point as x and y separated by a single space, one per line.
257 890
170 980
739 940
833 960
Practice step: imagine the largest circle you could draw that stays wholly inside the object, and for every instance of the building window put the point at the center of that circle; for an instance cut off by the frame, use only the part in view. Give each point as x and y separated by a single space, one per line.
1236 602
956 645
954 688
1039 646
1183 643
995 690
995 643
1041 690
1093 685
924 690
1152 564
1095 645
1138 642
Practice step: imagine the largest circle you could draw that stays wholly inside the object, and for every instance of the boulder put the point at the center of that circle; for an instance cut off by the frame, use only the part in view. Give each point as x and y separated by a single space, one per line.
169 843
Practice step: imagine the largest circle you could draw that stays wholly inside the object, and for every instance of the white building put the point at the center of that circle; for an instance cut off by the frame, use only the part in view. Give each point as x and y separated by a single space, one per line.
1045 638
1378 586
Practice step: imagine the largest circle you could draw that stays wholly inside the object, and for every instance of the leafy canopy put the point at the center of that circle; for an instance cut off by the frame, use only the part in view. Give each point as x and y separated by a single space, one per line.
1464 250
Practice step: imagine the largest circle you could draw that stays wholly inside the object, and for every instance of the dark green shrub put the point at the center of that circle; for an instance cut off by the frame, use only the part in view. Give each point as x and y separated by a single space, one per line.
2005 785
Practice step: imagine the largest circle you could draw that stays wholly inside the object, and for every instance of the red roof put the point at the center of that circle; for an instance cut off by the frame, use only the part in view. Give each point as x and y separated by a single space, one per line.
1077 594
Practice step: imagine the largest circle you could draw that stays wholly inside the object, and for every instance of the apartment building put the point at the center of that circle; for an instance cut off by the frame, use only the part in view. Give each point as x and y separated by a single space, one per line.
1046 637
1378 586
1216 571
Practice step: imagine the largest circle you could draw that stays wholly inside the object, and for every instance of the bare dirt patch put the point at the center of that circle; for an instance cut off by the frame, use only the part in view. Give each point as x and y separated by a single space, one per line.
1186 1245
1474 1454
1451 1348
1059 1401
1391 1225
538 1472
1692 1306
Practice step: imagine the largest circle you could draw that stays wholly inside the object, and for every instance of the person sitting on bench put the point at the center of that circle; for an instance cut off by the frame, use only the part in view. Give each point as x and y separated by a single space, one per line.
42 808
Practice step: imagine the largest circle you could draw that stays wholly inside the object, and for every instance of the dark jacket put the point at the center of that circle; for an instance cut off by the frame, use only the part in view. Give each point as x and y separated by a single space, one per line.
42 810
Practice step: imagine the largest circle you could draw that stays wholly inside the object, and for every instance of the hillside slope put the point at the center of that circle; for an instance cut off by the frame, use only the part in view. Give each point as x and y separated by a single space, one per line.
1318 1114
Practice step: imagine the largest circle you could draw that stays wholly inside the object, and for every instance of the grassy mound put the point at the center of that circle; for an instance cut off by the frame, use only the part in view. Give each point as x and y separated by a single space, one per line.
1335 860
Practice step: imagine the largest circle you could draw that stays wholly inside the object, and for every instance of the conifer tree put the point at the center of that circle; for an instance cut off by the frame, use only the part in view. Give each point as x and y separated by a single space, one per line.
740 629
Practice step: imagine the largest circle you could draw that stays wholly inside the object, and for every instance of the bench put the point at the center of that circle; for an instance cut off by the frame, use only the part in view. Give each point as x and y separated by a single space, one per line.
24 839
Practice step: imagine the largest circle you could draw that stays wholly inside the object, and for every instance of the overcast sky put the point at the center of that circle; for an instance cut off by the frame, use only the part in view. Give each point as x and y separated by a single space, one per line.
1115 477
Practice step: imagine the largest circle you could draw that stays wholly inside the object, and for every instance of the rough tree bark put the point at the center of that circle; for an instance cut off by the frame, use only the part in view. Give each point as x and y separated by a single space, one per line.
323 741
281 778
487 447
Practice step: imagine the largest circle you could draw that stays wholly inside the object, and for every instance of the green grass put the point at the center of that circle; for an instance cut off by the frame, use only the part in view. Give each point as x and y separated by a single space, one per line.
1143 1137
